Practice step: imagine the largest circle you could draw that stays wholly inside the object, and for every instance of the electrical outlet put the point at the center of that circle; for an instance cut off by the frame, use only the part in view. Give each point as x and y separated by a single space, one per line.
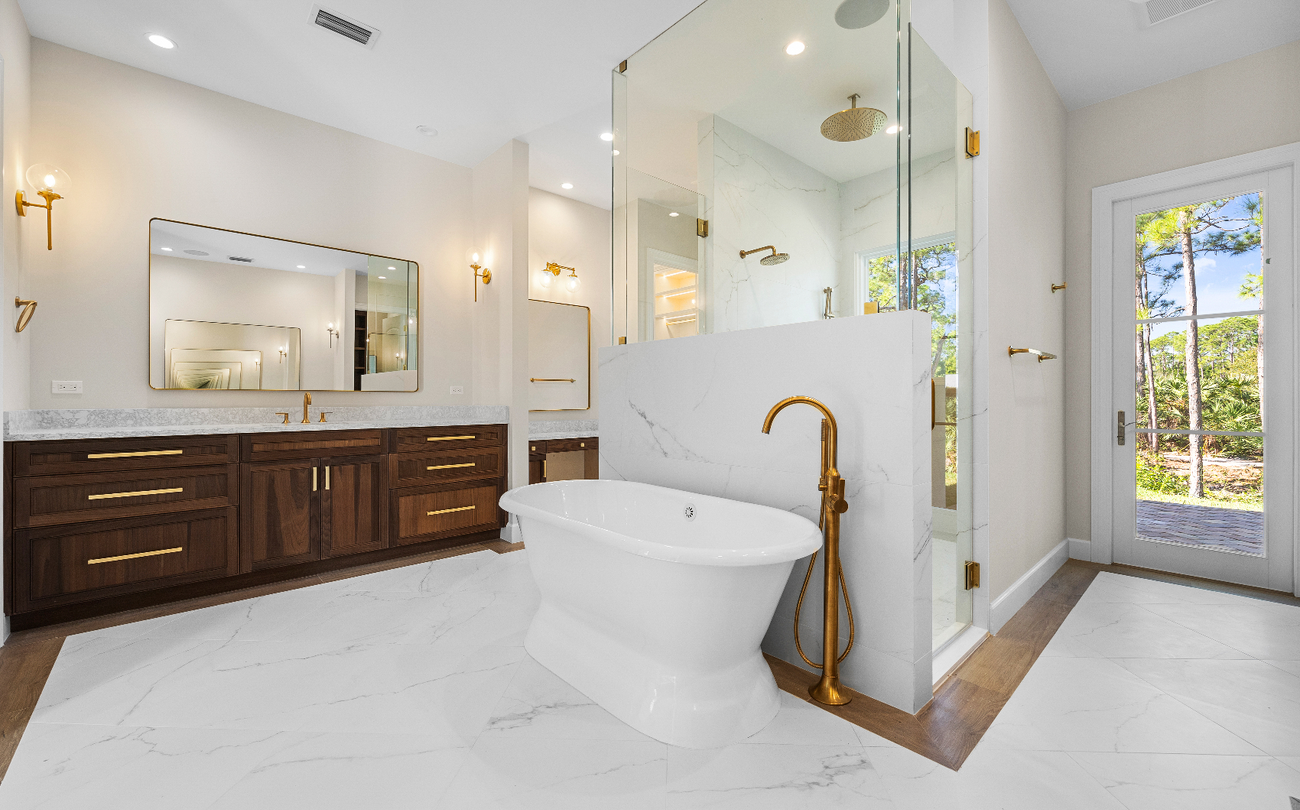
65 386
458 389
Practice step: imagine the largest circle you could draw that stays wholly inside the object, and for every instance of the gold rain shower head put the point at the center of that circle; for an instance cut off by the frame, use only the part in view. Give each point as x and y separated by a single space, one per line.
853 124
767 261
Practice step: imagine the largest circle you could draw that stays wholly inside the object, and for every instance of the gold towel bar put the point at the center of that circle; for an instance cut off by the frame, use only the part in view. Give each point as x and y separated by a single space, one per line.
137 454
135 494
449 466
121 557
453 509
551 379
1012 351
447 438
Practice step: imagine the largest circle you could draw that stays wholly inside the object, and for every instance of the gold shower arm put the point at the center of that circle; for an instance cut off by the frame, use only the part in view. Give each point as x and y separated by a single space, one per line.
745 253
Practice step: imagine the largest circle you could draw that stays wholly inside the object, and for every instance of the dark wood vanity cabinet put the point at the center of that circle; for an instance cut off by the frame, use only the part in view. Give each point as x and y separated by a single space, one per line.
97 526
539 450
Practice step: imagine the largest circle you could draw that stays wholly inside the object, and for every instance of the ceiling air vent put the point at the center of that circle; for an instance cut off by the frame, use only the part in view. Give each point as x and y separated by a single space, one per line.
1160 10
243 259
344 26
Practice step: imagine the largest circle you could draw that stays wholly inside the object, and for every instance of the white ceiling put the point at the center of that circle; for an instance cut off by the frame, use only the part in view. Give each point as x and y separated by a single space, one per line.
1094 50
480 73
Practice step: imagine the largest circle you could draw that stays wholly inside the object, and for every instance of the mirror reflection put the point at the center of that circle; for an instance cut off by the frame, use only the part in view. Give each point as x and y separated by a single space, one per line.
235 311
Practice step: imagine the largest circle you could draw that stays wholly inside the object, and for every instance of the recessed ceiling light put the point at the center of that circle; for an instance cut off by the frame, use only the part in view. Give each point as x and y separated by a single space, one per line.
893 130
427 130
302 267
673 214
392 268
607 136
167 249
566 186
794 48
383 276
162 41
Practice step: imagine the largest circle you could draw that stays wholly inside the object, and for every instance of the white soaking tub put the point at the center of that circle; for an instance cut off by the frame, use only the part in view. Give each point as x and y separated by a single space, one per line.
654 601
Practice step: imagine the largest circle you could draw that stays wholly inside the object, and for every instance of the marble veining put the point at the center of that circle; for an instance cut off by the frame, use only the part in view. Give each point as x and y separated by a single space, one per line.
237 706
105 423
541 429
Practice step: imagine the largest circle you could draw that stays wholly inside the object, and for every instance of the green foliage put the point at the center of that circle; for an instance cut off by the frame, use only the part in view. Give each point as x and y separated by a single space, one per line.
936 277
1154 476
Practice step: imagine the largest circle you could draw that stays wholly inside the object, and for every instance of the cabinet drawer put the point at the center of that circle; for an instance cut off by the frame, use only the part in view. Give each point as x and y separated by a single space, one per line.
312 444
429 468
108 455
56 499
77 564
570 445
421 516
422 440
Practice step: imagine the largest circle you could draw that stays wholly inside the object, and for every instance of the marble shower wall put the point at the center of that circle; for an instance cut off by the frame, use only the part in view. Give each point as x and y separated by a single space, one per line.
688 413
758 195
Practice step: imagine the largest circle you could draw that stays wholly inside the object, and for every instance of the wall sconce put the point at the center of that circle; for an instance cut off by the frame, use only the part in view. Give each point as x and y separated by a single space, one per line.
486 275
24 317
333 334
45 178
283 353
554 269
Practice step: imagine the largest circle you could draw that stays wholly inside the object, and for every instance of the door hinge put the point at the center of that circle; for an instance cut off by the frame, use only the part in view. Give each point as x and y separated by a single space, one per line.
972 575
701 227
972 142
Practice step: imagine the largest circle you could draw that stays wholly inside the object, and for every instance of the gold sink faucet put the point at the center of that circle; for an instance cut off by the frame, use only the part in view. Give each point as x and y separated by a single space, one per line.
827 690
306 400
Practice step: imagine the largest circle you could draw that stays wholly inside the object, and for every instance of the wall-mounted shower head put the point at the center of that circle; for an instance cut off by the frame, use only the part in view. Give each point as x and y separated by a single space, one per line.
767 261
853 124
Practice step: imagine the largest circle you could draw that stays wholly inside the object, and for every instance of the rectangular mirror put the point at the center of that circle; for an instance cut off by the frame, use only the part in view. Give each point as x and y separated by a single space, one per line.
235 311
559 356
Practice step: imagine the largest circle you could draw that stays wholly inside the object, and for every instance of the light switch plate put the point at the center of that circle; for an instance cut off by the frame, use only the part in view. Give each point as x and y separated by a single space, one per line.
458 389
65 386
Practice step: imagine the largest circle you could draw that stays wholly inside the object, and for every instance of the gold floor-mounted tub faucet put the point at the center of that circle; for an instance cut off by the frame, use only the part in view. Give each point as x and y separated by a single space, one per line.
827 690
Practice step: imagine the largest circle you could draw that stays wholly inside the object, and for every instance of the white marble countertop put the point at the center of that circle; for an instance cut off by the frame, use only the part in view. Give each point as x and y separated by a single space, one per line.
46 425
541 430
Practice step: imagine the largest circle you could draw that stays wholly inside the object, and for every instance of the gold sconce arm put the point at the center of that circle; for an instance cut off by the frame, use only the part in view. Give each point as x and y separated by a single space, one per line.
1041 355
486 275
554 269
49 196
29 309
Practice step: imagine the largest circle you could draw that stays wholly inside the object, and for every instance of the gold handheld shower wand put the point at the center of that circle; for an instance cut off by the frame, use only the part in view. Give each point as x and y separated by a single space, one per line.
827 689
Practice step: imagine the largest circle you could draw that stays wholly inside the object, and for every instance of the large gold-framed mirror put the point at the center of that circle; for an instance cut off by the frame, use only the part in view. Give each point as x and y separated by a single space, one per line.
237 311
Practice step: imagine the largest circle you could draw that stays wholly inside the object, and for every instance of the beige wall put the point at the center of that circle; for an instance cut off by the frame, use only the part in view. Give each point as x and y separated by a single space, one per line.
572 234
139 145
1232 109
1025 150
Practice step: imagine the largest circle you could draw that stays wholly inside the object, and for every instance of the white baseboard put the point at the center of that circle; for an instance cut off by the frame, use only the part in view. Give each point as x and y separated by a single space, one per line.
956 652
1079 549
1015 597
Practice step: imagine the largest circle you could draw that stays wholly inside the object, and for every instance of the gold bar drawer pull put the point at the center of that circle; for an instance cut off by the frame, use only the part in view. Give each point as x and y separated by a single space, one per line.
449 438
135 494
449 466
137 454
453 509
136 556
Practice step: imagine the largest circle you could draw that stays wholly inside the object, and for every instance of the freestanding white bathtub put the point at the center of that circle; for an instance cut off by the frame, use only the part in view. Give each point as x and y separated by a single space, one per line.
654 601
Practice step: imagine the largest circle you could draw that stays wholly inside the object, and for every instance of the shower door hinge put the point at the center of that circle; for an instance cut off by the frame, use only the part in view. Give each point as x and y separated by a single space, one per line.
622 66
972 142
701 227
972 575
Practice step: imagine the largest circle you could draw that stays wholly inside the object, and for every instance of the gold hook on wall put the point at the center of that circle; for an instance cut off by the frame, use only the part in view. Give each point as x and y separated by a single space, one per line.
24 317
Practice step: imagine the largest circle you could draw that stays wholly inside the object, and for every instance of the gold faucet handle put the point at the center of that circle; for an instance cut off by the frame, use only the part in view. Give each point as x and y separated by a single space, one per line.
323 413
285 415
839 504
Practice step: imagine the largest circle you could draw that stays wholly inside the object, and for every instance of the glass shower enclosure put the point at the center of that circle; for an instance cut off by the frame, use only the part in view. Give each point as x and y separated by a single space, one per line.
777 162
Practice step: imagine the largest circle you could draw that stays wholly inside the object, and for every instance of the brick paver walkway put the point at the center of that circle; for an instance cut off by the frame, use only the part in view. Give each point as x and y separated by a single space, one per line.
1234 529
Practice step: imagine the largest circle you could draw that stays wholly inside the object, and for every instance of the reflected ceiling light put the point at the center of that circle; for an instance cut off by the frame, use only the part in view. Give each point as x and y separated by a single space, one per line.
162 41
893 130
566 186
853 14
392 268
607 136
383 277
427 131
673 214
794 48
302 267
169 250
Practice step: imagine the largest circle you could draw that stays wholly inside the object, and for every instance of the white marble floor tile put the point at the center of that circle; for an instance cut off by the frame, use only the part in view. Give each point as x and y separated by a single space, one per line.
1119 630
1185 782
748 776
562 774
436 576
1094 704
345 772
1253 699
1259 629
801 723
1108 587
991 779
263 618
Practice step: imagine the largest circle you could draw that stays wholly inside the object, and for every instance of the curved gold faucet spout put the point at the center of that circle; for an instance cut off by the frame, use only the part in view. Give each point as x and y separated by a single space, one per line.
827 690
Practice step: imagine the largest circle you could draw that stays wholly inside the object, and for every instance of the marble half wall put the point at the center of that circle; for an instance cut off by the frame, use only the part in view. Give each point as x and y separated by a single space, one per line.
688 413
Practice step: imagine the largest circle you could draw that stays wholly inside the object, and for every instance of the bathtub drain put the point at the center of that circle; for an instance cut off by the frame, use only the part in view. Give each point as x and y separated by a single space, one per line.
689 511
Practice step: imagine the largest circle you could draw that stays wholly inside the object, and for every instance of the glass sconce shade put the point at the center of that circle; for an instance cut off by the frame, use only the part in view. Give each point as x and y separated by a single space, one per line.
46 177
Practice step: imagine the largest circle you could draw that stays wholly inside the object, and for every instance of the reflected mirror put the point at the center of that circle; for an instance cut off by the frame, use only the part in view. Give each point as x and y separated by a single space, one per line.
234 311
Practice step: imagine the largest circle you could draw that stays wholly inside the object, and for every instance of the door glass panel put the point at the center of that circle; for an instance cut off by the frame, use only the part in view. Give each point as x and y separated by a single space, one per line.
1228 516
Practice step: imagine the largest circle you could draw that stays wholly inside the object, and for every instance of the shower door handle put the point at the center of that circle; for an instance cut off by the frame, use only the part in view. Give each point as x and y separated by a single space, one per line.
1119 435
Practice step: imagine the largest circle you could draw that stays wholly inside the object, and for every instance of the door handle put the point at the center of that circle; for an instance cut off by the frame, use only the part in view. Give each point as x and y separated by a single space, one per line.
1119 435
313 479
